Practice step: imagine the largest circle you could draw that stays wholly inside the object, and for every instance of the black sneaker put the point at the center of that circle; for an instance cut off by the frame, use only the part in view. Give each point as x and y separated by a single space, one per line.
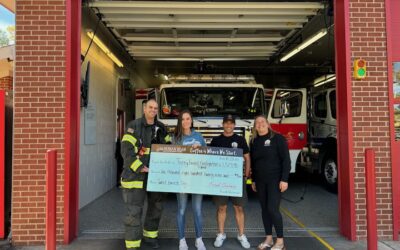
153 242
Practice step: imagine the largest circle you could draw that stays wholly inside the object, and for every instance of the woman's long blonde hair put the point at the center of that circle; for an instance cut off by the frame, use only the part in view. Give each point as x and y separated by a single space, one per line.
254 133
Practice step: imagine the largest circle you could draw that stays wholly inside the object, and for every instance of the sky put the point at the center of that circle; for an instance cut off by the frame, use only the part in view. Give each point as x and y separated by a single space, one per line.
7 18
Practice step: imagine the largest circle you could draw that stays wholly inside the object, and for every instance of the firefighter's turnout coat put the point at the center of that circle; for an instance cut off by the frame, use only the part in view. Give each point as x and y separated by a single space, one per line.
135 149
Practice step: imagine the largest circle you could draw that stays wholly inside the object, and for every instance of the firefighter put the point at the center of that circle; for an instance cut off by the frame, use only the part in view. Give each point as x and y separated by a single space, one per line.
135 149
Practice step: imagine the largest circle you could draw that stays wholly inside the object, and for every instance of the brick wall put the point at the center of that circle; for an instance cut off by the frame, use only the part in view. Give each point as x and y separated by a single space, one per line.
39 112
6 83
370 105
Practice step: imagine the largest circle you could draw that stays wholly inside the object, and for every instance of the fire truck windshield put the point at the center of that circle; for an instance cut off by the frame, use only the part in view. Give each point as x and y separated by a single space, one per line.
244 103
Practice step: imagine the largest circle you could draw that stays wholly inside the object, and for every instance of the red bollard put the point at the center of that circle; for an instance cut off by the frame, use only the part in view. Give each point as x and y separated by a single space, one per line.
51 195
372 238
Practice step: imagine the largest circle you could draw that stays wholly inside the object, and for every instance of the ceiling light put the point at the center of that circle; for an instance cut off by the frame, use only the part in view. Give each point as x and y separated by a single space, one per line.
104 48
324 79
305 44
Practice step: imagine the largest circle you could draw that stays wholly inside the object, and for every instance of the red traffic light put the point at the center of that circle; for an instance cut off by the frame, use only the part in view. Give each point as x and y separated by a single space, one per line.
360 63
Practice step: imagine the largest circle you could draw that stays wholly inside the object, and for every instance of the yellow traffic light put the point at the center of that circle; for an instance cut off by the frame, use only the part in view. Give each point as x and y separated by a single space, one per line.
360 69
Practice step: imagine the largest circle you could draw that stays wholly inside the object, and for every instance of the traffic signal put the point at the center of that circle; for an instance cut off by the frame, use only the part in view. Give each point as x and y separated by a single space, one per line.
360 69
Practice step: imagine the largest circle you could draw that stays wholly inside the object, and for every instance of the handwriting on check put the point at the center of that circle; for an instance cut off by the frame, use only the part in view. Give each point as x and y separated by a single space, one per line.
204 170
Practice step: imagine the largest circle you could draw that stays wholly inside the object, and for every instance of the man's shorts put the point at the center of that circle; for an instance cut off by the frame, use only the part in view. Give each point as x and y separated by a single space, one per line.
237 201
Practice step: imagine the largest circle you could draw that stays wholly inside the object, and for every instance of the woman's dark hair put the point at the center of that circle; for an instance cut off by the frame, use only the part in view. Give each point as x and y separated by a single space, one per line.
178 133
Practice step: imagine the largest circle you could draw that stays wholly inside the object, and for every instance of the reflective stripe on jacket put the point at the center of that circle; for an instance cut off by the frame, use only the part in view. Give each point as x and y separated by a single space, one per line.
135 149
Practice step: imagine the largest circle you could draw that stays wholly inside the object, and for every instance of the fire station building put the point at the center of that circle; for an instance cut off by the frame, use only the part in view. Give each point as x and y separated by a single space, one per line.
70 95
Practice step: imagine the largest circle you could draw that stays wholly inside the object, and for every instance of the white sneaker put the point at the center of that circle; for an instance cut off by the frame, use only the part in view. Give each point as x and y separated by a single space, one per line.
200 244
219 240
243 241
183 245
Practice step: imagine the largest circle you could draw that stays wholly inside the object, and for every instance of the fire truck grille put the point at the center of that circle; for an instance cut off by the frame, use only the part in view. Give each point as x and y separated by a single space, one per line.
209 133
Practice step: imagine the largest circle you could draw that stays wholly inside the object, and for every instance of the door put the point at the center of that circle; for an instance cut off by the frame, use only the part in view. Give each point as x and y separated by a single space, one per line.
318 129
288 116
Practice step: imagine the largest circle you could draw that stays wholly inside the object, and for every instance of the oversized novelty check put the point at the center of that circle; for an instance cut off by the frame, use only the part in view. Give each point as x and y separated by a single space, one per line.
204 170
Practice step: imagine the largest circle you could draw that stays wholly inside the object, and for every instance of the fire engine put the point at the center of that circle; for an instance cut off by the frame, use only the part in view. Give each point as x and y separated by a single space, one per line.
308 121
209 98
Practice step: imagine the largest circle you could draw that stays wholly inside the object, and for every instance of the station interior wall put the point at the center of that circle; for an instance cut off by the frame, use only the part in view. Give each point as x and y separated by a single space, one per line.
107 93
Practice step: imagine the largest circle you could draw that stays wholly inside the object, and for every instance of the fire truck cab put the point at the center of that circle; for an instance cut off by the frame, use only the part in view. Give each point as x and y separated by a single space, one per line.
209 98
308 121
288 116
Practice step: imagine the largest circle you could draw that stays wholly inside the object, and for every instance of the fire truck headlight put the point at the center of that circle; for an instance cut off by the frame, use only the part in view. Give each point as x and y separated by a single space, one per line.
301 135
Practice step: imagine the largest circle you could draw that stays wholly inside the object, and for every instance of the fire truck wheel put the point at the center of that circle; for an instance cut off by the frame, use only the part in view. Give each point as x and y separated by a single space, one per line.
330 173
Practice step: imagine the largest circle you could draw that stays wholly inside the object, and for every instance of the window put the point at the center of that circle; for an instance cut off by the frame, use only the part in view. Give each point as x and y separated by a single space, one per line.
320 107
287 103
212 102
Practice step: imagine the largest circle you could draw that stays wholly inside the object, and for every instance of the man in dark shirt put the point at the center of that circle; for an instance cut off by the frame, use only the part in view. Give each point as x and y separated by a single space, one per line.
228 139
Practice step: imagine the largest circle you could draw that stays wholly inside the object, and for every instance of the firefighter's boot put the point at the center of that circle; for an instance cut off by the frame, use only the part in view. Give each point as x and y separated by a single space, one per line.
152 242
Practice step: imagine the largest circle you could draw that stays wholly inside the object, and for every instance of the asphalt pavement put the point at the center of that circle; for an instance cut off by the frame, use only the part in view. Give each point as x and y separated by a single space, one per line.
309 214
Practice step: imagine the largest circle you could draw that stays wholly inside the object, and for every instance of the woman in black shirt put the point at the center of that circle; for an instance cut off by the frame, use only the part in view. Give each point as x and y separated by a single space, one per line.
270 164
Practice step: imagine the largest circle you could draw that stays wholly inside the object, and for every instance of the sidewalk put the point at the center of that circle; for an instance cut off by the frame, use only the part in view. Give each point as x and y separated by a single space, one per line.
230 244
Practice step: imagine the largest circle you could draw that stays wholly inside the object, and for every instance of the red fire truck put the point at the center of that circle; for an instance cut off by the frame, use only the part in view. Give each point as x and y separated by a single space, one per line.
308 121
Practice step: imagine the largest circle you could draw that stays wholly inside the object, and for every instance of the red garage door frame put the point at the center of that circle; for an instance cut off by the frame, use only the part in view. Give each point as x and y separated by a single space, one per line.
2 160
344 121
393 55
347 224
73 76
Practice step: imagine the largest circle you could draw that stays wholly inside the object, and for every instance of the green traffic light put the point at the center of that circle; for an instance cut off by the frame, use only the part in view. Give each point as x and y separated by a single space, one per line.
361 72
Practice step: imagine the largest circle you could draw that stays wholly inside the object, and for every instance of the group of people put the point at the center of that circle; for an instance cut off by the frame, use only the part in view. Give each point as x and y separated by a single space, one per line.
267 163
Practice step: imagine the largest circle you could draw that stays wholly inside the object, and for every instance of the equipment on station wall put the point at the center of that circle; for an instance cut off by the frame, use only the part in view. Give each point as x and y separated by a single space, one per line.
85 87
360 69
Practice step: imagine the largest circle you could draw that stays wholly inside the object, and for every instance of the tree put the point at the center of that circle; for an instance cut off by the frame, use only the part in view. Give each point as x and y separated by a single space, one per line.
4 40
11 33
